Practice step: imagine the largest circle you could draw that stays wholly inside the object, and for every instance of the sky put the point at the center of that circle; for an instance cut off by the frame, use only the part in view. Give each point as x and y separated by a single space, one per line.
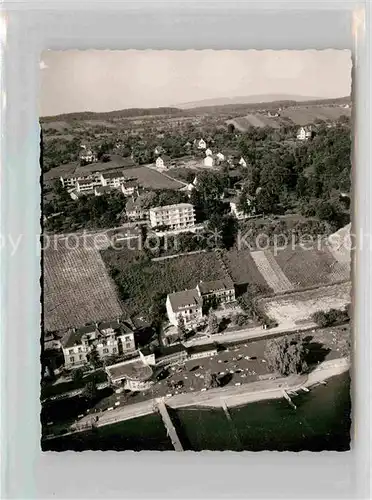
73 81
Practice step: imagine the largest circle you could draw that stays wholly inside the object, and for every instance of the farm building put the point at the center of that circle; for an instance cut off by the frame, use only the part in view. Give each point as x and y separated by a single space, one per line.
220 157
208 152
201 144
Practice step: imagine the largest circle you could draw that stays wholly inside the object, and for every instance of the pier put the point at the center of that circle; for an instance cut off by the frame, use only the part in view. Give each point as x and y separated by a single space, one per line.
171 431
287 397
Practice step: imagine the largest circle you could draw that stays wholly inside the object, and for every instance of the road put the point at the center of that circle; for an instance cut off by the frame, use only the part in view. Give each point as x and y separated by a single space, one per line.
251 333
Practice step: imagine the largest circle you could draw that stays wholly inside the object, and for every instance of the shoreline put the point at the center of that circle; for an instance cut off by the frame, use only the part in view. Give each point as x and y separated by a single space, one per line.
218 398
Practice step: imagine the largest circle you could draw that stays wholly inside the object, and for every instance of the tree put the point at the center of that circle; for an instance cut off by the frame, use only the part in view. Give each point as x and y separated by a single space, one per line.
286 355
213 324
93 357
210 380
77 375
90 390
181 327
244 204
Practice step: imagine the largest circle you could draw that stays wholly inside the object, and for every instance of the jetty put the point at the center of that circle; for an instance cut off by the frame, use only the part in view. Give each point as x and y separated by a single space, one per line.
226 410
171 431
288 398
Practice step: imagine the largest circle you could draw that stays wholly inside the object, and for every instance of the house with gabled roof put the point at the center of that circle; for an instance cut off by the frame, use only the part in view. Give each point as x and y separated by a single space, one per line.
109 338
304 133
186 305
134 209
162 161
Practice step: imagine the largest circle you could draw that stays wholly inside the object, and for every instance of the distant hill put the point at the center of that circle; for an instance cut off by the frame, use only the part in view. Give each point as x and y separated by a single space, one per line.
121 113
252 99
223 106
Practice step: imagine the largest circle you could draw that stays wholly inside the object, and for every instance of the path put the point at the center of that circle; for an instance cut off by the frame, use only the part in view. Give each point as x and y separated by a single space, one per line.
250 333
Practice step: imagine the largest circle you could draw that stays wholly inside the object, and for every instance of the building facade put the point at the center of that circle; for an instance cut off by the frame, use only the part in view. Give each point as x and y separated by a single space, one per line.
173 217
222 291
134 209
129 188
304 133
186 306
108 339
112 179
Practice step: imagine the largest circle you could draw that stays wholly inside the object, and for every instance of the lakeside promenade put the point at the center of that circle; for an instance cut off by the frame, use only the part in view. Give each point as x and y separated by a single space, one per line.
216 398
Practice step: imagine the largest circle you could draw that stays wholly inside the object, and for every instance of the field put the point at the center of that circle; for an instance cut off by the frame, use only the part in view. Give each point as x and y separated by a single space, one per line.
242 267
147 177
307 115
142 279
151 179
297 308
299 115
77 287
308 268
271 271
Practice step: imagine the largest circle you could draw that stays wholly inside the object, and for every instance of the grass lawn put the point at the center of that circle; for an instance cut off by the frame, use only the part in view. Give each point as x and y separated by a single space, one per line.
142 278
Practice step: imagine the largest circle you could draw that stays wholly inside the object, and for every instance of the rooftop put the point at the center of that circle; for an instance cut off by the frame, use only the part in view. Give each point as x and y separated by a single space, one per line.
133 204
201 348
114 324
103 189
84 182
113 175
132 183
134 369
172 349
184 299
206 287
170 207
73 336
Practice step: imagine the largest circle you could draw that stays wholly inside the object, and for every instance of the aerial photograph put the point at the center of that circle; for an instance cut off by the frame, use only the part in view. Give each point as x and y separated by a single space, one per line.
196 250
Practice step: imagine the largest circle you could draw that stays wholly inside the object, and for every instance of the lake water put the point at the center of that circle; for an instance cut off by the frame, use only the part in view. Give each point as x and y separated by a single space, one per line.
320 422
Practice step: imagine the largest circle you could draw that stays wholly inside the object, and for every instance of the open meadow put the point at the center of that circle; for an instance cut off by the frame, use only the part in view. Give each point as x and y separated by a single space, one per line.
299 115
77 287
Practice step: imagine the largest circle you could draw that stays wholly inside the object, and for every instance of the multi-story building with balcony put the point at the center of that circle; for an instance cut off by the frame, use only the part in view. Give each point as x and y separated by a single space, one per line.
222 291
173 217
